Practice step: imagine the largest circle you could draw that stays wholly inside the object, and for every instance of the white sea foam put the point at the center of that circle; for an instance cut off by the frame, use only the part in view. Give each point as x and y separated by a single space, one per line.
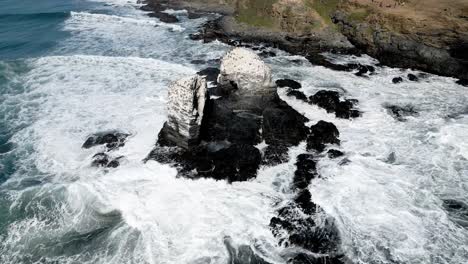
172 220
390 211
135 35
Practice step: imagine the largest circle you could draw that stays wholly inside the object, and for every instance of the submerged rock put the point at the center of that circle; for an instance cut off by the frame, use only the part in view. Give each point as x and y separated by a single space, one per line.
364 69
400 112
412 77
112 140
242 254
303 258
297 94
321 134
187 98
457 211
288 83
333 153
463 82
104 160
397 80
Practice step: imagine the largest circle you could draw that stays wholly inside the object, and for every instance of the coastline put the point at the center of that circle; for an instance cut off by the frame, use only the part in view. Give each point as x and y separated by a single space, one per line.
347 35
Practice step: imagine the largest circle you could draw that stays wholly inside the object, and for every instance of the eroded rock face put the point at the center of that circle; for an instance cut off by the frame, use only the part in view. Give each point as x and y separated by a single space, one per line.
219 139
187 98
247 70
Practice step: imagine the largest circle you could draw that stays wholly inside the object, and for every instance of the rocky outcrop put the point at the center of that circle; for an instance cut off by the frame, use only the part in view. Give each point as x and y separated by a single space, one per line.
391 40
330 101
187 98
247 70
216 138
112 140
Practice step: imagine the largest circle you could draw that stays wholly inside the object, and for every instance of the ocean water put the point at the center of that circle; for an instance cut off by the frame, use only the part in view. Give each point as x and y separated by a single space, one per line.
72 68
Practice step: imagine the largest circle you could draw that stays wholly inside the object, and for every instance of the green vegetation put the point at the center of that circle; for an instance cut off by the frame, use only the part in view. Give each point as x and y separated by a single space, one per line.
359 15
256 13
325 8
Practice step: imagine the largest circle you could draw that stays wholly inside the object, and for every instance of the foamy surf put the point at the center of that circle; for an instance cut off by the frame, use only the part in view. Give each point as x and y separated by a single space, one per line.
387 199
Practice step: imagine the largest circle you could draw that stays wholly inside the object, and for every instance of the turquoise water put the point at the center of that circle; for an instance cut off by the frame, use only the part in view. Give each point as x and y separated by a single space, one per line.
72 68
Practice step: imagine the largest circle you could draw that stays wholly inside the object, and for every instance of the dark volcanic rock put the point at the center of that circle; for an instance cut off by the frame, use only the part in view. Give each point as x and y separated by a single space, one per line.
223 132
296 227
222 123
302 258
297 94
400 112
363 69
304 201
164 17
103 160
235 163
333 153
283 125
413 77
112 140
210 73
463 82
330 101
322 133
457 211
305 172
275 154
210 32
397 80
288 83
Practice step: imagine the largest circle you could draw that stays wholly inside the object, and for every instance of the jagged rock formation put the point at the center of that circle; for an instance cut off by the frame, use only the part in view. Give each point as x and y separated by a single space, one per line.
112 140
187 98
216 138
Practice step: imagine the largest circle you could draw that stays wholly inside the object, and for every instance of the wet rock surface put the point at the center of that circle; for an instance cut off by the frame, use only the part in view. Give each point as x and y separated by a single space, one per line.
112 140
321 134
297 94
288 83
401 112
210 74
232 125
304 224
463 82
457 211
244 115
397 80
104 160
330 101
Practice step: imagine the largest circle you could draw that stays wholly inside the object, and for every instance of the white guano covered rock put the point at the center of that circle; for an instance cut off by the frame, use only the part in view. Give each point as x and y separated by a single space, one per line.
246 69
187 98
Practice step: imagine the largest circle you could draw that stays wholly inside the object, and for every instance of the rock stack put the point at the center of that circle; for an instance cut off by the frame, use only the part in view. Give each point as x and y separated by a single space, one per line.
217 138
187 99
